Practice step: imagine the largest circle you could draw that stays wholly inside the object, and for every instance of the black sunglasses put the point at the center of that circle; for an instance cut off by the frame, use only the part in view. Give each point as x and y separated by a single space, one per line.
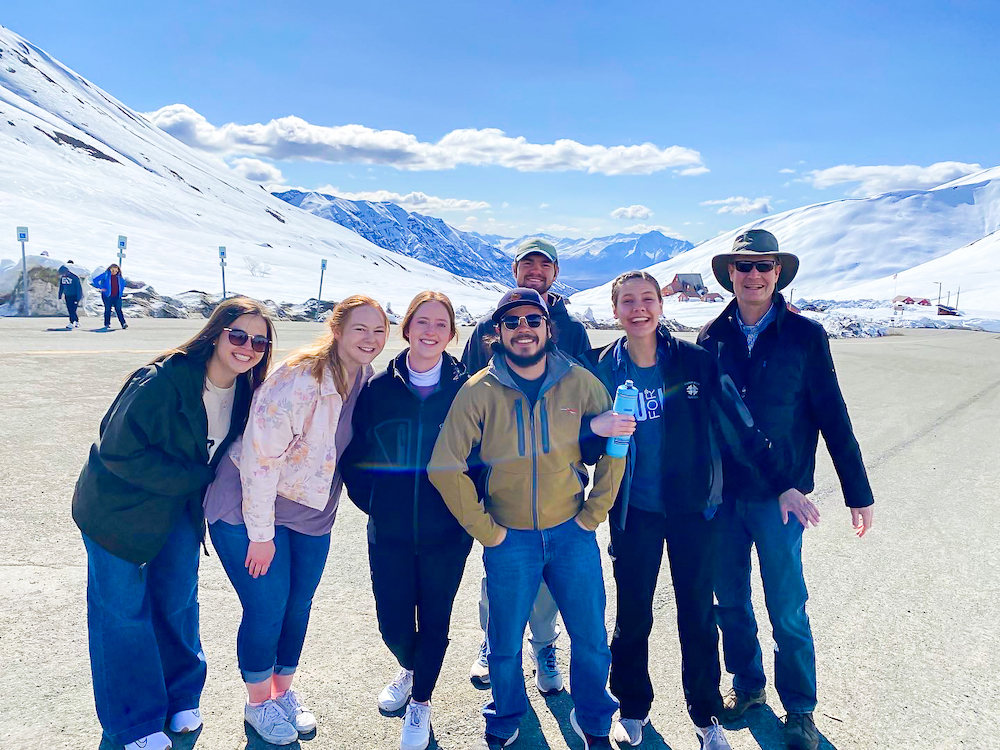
239 337
746 266
511 322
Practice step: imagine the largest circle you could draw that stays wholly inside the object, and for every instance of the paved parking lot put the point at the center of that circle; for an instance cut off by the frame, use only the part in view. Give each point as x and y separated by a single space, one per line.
905 620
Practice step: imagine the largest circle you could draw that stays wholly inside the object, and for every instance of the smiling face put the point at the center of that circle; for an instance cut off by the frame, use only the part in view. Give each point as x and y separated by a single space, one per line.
525 345
638 307
363 336
536 271
755 288
236 360
429 330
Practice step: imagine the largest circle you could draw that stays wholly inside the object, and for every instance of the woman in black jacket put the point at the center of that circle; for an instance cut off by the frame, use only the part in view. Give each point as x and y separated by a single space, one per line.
417 549
138 504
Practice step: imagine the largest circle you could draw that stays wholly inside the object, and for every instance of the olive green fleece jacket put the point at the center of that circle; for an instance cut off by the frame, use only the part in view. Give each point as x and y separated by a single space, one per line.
534 476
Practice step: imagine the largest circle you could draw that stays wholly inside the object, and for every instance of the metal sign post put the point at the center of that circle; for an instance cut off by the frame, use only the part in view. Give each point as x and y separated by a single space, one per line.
22 237
122 244
222 265
322 269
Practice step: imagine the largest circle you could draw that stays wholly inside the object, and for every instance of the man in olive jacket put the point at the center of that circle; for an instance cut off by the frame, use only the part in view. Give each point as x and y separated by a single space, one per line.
781 364
525 413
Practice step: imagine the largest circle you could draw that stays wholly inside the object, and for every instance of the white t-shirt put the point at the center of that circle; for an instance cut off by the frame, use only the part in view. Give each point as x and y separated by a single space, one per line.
219 408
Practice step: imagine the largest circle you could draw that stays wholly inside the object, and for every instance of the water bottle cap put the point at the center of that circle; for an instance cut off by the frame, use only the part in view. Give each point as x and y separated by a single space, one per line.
629 384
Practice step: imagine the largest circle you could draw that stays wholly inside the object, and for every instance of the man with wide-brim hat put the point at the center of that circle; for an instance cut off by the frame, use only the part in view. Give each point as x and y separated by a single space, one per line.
780 363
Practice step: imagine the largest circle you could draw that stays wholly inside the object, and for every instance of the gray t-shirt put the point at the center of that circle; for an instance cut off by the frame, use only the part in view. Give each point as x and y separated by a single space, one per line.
647 474
224 499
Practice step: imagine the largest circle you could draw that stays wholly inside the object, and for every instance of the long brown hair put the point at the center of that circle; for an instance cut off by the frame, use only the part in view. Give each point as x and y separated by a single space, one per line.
322 353
202 345
416 302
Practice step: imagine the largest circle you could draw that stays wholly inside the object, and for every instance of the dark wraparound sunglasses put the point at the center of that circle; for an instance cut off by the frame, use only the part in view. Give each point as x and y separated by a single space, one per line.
511 322
746 266
238 337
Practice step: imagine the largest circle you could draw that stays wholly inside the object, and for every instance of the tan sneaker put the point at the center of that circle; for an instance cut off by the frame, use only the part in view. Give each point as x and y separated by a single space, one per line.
738 702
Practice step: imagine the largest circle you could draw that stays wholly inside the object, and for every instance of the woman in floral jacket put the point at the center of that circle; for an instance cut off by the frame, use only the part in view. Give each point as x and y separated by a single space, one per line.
272 506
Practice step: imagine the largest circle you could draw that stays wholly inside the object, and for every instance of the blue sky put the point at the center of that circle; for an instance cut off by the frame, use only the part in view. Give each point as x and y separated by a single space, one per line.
745 108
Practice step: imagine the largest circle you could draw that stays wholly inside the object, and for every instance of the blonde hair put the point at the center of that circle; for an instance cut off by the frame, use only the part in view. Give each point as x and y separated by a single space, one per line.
420 299
616 285
322 353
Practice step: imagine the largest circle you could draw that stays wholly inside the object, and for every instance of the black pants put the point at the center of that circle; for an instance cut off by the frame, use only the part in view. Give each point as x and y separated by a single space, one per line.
116 305
638 551
71 304
414 593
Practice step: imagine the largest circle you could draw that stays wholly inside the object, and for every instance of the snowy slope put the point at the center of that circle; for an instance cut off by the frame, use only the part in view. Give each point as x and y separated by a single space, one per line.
850 249
79 168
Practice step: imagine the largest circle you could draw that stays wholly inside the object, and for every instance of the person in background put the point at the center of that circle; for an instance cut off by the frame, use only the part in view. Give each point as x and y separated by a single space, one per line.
274 500
416 548
112 285
781 364
138 505
71 289
536 266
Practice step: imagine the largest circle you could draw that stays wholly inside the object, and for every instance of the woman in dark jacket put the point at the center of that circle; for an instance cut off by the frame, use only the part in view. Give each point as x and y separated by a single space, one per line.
138 504
417 549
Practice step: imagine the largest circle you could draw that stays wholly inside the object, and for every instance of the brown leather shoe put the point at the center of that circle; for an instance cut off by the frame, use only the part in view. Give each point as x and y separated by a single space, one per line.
801 732
738 702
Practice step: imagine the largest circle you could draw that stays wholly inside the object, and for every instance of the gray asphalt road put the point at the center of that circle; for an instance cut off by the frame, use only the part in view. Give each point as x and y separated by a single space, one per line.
905 620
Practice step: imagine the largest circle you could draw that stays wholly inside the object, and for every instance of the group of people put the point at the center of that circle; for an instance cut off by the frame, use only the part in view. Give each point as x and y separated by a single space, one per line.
110 283
441 452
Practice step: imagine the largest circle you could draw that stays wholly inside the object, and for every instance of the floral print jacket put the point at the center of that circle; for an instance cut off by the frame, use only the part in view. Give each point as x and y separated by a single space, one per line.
289 445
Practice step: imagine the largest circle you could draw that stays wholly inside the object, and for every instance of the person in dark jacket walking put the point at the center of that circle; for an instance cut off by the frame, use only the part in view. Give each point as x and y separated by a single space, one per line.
536 266
670 494
112 285
71 289
138 504
416 547
781 363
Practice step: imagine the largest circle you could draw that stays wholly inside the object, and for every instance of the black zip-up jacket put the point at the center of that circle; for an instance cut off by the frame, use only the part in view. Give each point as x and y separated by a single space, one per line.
569 334
385 466
790 386
151 465
701 412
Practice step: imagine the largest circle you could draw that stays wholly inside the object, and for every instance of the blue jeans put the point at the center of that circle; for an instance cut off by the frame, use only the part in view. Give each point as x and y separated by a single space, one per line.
145 649
567 558
741 525
276 605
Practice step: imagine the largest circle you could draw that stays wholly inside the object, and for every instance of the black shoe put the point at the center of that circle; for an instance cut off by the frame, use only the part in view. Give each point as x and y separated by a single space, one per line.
801 732
124 326
589 740
738 702
492 742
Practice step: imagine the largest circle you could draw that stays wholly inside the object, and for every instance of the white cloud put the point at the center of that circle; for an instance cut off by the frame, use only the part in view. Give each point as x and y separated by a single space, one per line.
292 138
543 206
883 178
786 171
505 204
643 228
415 201
631 212
740 205
471 219
257 170
694 171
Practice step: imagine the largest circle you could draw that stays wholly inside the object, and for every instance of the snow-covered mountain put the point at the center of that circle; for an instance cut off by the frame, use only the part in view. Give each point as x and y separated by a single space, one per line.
851 248
80 168
584 263
416 236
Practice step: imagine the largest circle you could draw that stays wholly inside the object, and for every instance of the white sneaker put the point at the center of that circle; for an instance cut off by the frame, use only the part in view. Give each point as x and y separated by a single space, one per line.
270 723
548 678
628 731
183 722
297 714
416 727
76 324
480 672
394 695
712 738
157 741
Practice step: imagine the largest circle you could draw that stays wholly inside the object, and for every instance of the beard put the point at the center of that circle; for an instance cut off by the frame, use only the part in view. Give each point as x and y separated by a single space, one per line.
523 360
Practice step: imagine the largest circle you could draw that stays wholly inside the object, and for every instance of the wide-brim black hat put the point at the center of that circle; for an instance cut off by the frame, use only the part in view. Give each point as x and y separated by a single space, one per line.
750 245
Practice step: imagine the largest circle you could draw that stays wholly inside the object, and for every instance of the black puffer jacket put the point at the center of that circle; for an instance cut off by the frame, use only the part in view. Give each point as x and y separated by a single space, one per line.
150 466
790 386
385 466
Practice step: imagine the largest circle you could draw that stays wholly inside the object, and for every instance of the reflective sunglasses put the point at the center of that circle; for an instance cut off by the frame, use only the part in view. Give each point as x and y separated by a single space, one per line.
238 337
746 266
511 322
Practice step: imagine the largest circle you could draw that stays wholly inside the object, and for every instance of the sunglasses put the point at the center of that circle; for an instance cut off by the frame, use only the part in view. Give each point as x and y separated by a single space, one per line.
239 337
511 322
746 266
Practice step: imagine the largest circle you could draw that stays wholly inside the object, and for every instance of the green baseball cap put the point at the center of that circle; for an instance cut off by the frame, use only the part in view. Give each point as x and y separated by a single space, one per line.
528 247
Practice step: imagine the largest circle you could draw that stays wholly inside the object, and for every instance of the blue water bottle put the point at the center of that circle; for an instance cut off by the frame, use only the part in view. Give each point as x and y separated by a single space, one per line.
626 401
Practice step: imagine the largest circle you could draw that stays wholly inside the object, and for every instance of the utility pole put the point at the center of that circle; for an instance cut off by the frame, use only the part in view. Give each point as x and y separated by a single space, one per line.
22 237
939 291
957 295
322 270
222 265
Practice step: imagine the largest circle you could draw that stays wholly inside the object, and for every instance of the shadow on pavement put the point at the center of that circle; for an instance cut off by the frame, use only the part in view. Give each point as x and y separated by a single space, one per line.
63 329
651 738
256 742
530 731
769 731
180 741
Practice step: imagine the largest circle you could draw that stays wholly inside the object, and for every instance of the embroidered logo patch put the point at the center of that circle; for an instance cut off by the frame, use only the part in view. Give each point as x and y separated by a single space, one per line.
571 411
692 388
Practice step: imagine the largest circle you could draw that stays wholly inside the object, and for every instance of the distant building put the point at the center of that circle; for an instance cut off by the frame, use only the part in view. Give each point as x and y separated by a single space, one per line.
690 284
904 300
684 297
711 297
924 301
